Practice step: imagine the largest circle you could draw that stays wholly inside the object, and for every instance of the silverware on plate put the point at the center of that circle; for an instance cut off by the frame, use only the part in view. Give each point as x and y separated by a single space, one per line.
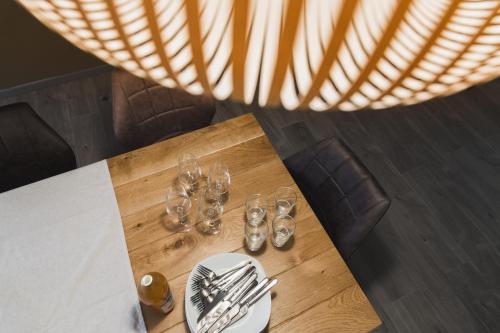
207 273
206 288
240 308
225 293
239 289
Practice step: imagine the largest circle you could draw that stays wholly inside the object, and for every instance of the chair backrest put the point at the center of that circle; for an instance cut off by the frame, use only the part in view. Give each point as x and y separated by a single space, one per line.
30 150
145 112
346 198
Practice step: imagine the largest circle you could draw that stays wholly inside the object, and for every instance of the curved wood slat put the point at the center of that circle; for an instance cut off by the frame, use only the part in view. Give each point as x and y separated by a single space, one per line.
411 41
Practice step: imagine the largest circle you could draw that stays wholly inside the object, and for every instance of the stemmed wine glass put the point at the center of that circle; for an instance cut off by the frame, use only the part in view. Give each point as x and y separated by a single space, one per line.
178 205
209 212
189 172
219 180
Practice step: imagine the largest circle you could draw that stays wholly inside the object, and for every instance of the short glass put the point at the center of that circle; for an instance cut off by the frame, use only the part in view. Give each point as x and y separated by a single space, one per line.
256 208
188 172
285 199
209 212
283 229
178 205
255 234
219 180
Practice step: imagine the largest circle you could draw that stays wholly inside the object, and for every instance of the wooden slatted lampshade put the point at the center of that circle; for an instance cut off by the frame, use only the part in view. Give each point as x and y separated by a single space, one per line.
321 54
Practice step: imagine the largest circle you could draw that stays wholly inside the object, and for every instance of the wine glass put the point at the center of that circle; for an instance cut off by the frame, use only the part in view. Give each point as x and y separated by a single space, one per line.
284 200
256 208
209 212
283 229
219 180
255 234
178 205
189 172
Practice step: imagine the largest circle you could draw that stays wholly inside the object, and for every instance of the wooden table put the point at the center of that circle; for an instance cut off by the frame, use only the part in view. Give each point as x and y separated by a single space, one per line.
316 290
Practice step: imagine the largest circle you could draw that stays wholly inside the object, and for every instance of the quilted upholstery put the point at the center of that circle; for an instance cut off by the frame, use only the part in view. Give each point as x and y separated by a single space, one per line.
29 149
145 112
347 199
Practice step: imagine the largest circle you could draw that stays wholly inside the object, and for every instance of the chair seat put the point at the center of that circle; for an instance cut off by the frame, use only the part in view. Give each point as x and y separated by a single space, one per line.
30 150
145 112
345 196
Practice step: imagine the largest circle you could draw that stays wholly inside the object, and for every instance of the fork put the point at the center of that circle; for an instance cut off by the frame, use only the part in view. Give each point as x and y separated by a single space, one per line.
204 297
210 290
208 277
211 275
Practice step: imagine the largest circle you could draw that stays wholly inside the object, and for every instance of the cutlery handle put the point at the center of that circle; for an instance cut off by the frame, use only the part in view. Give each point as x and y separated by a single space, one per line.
235 268
262 292
234 308
220 317
238 278
242 288
254 296
249 288
259 286
232 275
226 293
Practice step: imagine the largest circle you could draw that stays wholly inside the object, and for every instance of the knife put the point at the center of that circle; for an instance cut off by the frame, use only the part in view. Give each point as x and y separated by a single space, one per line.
225 292
235 300
240 289
228 301
251 301
231 275
259 286
240 309
233 269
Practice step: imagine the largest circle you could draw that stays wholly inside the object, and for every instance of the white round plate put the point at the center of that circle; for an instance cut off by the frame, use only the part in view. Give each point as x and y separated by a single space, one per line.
257 316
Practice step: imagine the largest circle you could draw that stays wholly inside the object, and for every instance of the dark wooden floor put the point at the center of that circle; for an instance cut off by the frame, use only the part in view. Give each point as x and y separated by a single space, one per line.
433 263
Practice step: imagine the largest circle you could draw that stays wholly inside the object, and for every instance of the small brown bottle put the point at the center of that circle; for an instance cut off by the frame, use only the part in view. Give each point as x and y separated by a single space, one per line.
154 291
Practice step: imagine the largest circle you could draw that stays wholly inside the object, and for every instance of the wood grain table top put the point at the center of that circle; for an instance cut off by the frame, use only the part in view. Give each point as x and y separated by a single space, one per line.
316 290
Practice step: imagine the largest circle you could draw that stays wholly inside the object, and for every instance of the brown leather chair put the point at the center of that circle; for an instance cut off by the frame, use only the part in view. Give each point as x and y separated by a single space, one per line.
30 150
345 196
145 112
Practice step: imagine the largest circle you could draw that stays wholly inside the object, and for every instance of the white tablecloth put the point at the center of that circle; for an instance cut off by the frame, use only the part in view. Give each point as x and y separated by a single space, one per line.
64 265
